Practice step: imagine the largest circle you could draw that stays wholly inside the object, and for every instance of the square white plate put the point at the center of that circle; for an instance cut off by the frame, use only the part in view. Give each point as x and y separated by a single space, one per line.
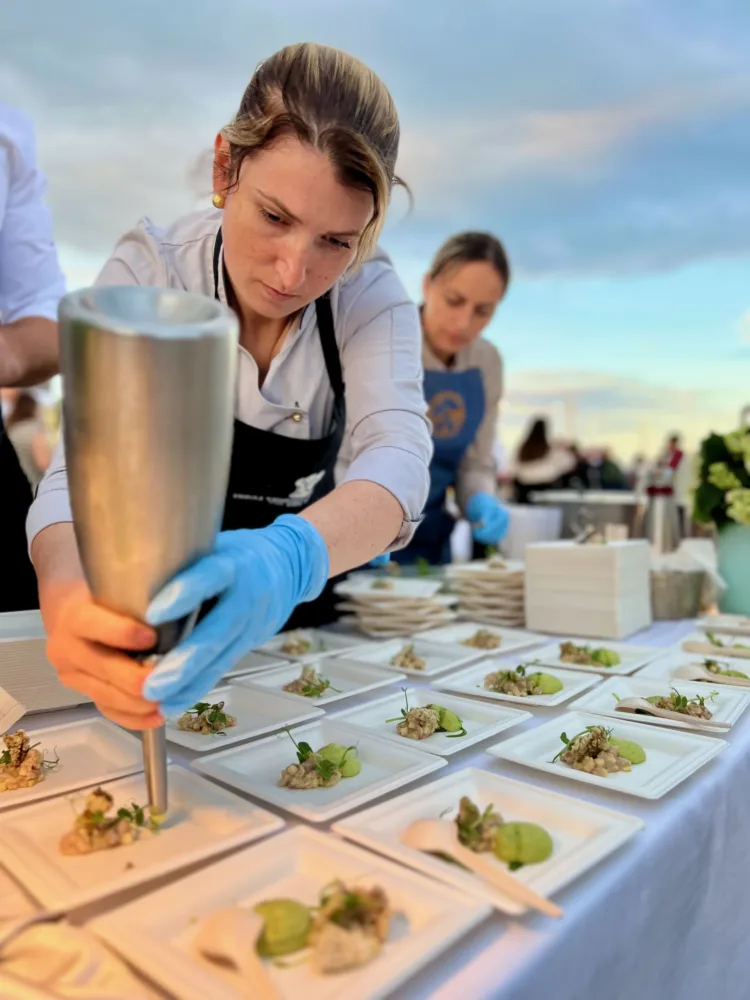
728 705
257 711
480 720
738 625
582 834
512 639
203 820
471 682
631 657
479 569
400 589
439 656
324 643
348 677
156 933
90 751
671 755
735 646
667 666
253 663
256 768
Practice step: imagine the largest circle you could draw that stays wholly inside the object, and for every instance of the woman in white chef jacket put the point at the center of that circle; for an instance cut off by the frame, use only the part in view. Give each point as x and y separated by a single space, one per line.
302 180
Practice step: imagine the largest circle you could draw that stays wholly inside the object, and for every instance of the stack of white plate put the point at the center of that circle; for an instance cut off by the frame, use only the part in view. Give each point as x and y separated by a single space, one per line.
387 608
490 591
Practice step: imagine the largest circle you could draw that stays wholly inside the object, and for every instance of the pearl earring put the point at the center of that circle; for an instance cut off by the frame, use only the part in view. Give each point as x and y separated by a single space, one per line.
218 200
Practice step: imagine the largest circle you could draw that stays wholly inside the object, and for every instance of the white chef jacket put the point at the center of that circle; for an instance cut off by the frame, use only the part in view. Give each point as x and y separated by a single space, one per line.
379 339
31 283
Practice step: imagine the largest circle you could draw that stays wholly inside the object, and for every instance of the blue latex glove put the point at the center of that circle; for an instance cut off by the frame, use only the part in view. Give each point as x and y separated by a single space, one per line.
489 518
261 576
381 560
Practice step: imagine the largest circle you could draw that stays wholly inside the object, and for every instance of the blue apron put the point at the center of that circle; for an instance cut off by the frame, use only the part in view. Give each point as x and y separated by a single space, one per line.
456 408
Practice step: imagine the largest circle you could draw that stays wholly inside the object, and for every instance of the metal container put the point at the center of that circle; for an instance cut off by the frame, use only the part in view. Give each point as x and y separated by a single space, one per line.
149 377
676 594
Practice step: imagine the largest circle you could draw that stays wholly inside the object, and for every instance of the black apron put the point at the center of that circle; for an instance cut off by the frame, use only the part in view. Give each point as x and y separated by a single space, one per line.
18 591
270 474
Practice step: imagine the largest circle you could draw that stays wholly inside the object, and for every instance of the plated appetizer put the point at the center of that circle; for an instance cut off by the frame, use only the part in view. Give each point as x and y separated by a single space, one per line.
715 667
484 638
346 930
675 702
382 584
520 684
296 645
206 719
98 828
408 659
587 656
22 765
309 684
322 768
485 831
597 751
729 643
424 721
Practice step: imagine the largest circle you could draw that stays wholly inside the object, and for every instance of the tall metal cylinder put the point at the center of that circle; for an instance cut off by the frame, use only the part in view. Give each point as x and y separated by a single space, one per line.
148 404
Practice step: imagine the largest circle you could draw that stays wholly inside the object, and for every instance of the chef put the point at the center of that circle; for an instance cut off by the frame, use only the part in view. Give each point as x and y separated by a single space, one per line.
330 345
463 384
31 285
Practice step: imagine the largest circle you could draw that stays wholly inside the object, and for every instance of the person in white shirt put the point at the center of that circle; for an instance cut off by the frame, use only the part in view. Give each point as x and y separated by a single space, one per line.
330 345
31 285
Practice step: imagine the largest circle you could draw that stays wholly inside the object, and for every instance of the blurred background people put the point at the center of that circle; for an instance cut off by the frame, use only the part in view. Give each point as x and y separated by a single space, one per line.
540 464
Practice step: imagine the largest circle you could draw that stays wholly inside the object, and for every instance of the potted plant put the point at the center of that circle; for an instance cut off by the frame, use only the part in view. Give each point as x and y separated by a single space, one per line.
722 498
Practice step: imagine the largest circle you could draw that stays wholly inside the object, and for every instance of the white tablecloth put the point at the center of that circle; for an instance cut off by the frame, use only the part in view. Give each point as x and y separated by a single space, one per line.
666 918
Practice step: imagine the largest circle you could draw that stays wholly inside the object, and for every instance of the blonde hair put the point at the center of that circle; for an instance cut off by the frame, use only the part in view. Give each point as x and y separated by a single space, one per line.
332 102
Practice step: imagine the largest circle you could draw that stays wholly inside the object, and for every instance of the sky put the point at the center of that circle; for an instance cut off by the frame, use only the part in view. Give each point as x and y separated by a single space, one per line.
606 142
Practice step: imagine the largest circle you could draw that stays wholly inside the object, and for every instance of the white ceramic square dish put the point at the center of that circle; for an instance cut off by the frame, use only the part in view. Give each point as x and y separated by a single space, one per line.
91 751
256 768
347 678
203 820
253 663
258 712
388 589
671 755
738 625
727 706
322 643
631 657
671 666
438 657
156 933
481 721
582 834
471 682
511 639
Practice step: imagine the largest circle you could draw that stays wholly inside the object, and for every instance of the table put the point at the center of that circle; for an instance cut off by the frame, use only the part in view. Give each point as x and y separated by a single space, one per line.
665 918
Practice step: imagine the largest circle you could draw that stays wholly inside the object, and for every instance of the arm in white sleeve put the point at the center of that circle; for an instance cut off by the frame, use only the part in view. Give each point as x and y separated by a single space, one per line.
388 435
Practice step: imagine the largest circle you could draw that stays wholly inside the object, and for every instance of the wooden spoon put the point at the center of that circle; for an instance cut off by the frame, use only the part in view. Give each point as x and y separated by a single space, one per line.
228 938
440 837
641 705
694 672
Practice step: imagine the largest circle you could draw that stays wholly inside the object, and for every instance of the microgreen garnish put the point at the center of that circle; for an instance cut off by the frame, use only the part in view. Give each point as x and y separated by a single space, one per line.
568 742
439 710
216 717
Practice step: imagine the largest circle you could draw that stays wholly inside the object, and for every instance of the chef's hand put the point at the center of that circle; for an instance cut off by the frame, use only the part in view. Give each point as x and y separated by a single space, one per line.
489 518
87 645
379 561
261 575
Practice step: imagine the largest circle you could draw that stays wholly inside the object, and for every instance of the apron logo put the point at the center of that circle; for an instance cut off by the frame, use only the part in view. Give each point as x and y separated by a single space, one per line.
448 414
303 488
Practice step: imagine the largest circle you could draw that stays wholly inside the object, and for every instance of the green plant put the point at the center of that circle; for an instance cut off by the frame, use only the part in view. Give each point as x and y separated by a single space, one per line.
722 494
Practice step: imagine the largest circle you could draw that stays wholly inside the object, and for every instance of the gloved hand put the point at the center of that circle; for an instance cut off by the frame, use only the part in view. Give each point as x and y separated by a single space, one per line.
261 576
489 518
381 560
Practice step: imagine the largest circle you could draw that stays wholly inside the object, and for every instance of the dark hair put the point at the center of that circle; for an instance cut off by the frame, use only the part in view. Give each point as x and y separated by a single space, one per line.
465 248
25 409
536 445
